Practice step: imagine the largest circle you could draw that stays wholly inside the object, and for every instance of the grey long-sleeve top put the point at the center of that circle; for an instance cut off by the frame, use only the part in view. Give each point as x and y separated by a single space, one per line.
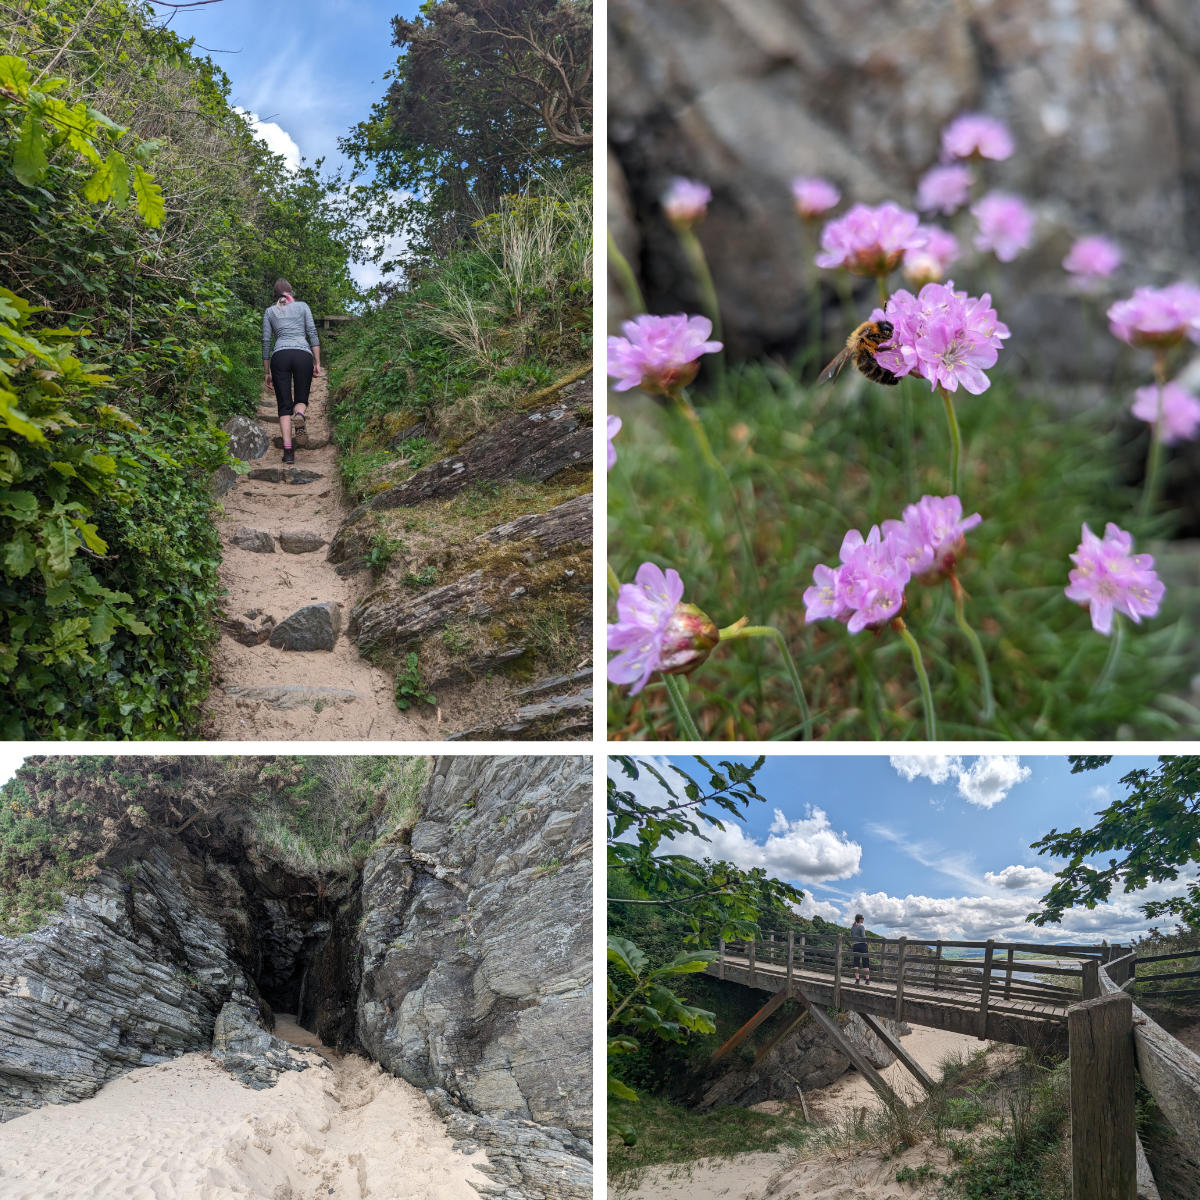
290 327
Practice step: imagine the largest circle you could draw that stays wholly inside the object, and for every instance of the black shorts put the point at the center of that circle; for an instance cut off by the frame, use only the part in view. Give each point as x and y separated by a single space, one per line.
291 371
860 955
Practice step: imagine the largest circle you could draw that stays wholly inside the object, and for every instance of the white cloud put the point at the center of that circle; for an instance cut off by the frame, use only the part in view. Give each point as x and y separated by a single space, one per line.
807 849
808 907
10 762
1016 878
277 139
984 783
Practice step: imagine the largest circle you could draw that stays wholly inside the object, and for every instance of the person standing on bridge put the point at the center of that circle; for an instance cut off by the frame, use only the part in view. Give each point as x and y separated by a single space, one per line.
289 325
858 931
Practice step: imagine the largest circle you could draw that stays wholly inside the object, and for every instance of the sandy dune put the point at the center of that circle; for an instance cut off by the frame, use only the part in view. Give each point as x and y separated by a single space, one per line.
826 1176
186 1130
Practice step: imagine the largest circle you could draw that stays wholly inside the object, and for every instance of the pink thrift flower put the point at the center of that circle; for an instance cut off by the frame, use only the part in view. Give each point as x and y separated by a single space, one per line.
1157 317
931 537
974 135
867 590
869 241
1180 412
944 336
944 189
655 631
813 197
659 354
686 201
1093 258
1005 225
614 427
1109 578
930 263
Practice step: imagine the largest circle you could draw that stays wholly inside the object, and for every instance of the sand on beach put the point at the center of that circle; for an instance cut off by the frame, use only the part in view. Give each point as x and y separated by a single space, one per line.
828 1174
187 1130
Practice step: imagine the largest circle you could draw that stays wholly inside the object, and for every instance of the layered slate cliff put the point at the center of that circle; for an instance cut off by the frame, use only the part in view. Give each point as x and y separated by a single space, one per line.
455 952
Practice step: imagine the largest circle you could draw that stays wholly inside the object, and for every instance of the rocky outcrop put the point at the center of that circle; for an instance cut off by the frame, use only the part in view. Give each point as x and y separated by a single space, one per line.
247 441
242 1045
313 627
554 709
1103 97
476 941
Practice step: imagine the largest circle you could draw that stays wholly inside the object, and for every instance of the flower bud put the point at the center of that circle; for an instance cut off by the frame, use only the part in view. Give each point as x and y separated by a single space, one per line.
688 637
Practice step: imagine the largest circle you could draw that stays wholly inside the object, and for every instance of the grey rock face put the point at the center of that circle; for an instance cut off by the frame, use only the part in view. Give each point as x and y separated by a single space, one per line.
300 541
313 627
557 708
258 541
131 974
476 942
248 1051
251 628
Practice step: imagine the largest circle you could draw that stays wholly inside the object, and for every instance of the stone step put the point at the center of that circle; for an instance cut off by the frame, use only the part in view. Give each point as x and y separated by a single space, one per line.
286 696
300 541
284 475
257 541
313 627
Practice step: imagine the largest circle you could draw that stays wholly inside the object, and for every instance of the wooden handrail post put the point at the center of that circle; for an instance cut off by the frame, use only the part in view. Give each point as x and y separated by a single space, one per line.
1008 974
771 947
901 947
751 962
1103 1130
1091 979
720 958
803 942
837 974
791 952
987 987
937 966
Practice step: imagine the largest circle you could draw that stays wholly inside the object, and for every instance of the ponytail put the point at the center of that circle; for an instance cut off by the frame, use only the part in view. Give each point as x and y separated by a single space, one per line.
283 293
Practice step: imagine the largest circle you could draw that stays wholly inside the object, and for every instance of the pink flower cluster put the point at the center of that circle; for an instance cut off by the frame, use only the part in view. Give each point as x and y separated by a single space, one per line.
1109 578
659 354
867 590
944 189
930 263
685 201
813 197
974 135
613 428
655 630
1157 317
1005 225
870 241
1093 257
1180 412
944 336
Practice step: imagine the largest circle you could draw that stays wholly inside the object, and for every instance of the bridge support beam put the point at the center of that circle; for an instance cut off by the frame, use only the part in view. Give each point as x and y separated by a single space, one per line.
750 1026
882 1032
1103 1130
829 1026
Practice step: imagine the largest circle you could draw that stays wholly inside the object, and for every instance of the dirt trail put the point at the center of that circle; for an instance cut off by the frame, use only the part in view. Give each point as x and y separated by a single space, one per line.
263 693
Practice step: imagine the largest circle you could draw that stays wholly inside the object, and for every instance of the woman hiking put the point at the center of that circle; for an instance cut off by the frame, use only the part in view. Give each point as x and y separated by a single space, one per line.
858 932
288 323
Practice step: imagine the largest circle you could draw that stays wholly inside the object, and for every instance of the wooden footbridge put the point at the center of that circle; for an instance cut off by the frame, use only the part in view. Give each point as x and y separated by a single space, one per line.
1076 998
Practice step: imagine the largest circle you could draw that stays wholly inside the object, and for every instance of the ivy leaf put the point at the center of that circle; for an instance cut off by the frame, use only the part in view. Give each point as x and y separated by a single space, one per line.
29 151
149 197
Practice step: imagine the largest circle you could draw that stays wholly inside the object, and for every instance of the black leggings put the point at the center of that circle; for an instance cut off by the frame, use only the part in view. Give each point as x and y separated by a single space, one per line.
288 367
860 956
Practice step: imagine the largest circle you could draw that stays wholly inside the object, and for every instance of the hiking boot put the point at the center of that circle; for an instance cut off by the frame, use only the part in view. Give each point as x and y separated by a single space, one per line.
299 421
289 456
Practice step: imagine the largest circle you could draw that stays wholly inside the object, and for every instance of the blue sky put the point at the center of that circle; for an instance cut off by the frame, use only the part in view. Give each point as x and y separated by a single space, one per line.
306 71
933 845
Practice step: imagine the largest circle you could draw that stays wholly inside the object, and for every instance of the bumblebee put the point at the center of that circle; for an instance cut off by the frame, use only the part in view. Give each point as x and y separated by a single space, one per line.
862 345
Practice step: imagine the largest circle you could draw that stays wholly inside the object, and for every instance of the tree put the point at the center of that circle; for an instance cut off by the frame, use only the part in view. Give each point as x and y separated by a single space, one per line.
716 899
1156 829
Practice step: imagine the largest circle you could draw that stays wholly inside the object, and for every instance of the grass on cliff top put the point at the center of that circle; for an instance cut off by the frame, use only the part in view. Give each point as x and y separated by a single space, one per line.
809 463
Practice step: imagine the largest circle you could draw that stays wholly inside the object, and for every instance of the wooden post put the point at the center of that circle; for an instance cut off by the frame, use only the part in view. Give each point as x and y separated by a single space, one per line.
803 942
1103 1131
791 953
751 962
1091 979
937 966
771 947
901 949
987 987
720 958
834 1031
750 1026
882 1032
837 974
1008 974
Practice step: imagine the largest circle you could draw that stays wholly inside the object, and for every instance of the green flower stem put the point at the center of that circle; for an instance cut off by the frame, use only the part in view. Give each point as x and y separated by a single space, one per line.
683 719
907 433
985 678
1114 652
923 679
614 584
699 264
619 265
955 440
1154 457
733 632
870 690
883 290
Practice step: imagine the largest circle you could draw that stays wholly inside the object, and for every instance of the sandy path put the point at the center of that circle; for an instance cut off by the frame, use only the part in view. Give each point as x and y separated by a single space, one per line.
186 1130
279 584
828 1175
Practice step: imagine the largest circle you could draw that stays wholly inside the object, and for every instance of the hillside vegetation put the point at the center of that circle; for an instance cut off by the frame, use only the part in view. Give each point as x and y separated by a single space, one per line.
141 225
